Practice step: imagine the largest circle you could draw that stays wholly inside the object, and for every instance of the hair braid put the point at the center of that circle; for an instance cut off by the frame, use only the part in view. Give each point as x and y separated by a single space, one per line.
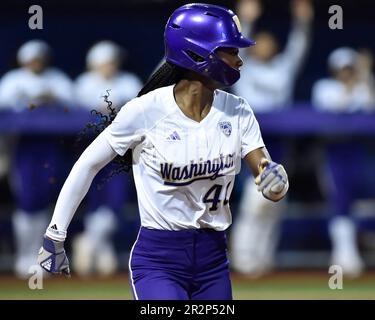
167 74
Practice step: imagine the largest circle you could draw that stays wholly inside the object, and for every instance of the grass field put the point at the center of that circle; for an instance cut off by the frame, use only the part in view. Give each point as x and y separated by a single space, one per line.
281 285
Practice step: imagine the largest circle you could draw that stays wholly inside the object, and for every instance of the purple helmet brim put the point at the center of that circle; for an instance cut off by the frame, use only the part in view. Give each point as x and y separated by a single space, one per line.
241 42
245 42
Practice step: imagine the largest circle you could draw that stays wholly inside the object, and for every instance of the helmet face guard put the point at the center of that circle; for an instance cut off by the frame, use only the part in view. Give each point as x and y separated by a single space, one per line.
195 31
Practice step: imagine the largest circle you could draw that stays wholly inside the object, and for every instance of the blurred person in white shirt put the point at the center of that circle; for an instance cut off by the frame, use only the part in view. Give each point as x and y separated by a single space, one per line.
35 82
104 61
267 82
269 74
93 250
350 88
37 160
345 174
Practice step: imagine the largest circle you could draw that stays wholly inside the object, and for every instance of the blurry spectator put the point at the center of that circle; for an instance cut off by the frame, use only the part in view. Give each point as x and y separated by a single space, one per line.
104 61
36 165
93 250
268 76
346 177
351 87
34 83
267 82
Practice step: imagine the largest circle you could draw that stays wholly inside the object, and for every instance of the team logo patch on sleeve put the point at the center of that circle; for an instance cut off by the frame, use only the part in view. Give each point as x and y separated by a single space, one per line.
226 127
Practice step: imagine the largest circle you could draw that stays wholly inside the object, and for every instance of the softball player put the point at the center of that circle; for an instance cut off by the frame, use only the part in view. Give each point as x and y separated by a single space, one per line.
187 138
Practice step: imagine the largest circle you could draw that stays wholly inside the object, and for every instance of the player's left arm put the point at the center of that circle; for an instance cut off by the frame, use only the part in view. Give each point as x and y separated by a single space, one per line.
270 177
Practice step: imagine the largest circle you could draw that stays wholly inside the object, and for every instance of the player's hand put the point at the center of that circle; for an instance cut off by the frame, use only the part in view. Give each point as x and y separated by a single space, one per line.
272 180
52 257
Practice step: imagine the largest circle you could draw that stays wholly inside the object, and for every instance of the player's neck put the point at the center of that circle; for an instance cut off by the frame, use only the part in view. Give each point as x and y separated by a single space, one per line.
193 98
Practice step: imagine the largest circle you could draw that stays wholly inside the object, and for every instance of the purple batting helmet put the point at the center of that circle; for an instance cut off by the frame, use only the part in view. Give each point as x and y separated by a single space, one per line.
195 31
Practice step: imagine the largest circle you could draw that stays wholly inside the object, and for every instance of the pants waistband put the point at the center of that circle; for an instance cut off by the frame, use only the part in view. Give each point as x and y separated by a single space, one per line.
175 235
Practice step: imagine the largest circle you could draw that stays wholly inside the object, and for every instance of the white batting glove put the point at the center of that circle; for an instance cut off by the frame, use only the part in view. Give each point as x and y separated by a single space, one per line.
52 257
272 180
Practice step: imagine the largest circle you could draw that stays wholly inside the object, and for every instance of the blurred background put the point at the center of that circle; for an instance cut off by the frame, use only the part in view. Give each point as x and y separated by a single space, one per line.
310 86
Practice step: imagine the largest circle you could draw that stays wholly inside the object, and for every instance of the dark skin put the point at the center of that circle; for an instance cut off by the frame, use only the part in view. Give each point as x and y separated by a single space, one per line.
194 96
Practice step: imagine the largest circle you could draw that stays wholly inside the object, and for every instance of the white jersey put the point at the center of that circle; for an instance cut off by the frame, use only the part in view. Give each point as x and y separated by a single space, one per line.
20 87
90 88
184 170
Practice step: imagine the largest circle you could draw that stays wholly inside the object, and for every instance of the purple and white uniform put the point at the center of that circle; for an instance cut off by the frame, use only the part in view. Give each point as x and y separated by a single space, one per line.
184 173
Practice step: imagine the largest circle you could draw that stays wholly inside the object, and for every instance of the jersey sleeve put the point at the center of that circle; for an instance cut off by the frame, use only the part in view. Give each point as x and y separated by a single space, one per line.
128 128
251 137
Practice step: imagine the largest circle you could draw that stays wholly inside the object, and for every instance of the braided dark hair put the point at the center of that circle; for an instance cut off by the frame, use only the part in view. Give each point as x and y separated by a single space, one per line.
166 75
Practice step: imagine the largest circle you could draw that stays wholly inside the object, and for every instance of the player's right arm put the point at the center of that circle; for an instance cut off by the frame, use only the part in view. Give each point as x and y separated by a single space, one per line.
125 132
98 154
52 256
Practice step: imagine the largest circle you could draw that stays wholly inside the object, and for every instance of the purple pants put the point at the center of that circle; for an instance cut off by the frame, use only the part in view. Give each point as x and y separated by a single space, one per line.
180 265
